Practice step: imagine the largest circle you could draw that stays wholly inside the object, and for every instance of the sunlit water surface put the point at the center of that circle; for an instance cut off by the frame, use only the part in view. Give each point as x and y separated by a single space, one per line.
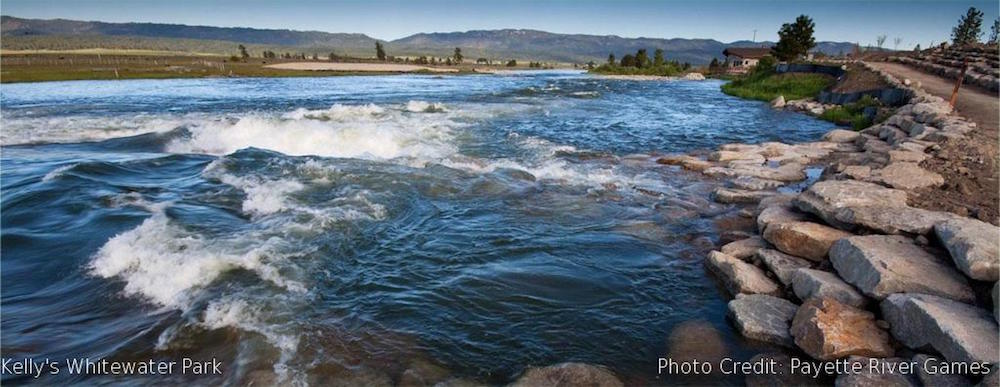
305 230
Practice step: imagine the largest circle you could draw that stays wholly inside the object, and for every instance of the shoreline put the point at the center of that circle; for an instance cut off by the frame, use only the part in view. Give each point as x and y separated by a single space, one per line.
849 267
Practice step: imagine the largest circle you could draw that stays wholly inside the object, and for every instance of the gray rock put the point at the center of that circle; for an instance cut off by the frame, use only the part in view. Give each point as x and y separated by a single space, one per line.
756 183
826 198
841 135
960 332
744 248
867 378
778 214
993 379
893 220
738 276
730 155
906 156
926 373
782 265
809 283
996 301
568 375
973 246
727 195
907 176
763 318
803 239
880 265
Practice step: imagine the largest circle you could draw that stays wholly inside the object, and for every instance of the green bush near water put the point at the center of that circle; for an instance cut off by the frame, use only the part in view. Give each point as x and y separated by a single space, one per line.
763 84
853 113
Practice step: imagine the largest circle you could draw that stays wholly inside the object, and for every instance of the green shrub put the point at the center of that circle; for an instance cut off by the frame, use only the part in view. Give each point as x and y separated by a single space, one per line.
760 85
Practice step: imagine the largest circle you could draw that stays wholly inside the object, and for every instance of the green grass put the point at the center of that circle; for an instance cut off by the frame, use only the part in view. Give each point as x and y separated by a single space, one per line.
666 70
853 113
765 87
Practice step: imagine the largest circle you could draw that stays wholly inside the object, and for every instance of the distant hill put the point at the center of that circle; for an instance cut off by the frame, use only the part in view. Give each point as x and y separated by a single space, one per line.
21 33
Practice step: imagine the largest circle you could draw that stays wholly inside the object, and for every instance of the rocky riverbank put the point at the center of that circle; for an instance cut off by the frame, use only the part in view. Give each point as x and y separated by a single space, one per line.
844 265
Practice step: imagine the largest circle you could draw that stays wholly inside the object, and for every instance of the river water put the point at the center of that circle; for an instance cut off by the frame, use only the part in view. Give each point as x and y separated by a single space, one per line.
306 230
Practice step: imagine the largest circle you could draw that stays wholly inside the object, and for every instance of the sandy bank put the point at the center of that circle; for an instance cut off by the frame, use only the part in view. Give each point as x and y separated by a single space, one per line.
364 67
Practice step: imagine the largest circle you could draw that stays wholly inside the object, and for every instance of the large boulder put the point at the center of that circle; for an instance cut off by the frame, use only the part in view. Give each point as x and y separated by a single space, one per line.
763 318
827 330
825 198
809 284
729 195
568 375
973 246
960 332
928 371
739 277
744 248
730 155
880 265
782 265
803 239
841 136
894 220
905 175
778 214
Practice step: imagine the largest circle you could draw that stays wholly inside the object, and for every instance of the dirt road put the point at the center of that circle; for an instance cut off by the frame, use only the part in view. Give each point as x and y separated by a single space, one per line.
969 165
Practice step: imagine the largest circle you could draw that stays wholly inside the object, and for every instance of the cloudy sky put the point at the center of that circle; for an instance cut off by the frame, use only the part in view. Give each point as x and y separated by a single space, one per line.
854 21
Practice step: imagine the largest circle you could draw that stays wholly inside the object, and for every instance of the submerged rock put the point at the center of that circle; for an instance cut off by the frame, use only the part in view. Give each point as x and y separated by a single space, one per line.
826 198
973 246
568 375
809 283
827 330
423 373
880 265
763 318
696 340
960 332
803 239
739 277
782 265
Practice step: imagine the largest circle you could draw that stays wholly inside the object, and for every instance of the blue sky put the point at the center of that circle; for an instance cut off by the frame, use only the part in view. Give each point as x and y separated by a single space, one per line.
854 21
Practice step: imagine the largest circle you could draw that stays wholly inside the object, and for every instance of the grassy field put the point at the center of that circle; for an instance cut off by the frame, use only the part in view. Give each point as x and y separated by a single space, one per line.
765 87
63 66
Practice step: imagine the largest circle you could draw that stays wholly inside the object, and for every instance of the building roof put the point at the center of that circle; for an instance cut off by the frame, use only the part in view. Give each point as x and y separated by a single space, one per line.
747 52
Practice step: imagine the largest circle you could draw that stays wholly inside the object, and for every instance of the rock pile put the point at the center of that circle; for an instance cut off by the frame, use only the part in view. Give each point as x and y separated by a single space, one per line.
843 266
984 65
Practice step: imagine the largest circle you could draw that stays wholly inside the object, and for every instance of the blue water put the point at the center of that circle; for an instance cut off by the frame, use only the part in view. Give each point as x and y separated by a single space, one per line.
306 230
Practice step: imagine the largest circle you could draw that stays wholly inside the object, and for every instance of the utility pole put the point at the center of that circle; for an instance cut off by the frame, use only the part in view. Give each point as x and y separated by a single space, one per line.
958 82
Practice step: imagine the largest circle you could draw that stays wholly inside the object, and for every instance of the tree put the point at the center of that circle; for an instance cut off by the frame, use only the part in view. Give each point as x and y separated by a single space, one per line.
713 67
628 61
611 59
315 56
641 59
591 65
969 27
332 56
879 41
458 55
512 63
243 52
658 57
795 39
379 51
994 31
895 42
916 48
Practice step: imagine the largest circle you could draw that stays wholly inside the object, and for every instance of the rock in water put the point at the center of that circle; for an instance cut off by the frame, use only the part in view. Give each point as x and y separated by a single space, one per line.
694 77
973 246
960 332
568 375
809 283
744 248
803 239
740 277
778 102
763 318
781 264
825 198
728 195
827 330
696 340
880 265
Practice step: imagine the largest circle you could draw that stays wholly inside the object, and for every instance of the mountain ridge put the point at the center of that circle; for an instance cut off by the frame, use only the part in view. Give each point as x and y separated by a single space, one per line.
493 44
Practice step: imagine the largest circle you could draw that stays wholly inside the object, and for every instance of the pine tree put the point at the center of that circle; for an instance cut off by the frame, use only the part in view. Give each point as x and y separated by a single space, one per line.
458 55
628 61
379 51
243 52
658 57
611 59
641 59
714 65
994 31
969 28
795 39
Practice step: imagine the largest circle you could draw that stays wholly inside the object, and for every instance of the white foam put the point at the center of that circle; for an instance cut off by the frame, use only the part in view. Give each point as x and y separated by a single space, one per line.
166 264
70 129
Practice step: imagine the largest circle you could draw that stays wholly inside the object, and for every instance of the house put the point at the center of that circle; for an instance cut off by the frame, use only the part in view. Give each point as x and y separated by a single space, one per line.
741 59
